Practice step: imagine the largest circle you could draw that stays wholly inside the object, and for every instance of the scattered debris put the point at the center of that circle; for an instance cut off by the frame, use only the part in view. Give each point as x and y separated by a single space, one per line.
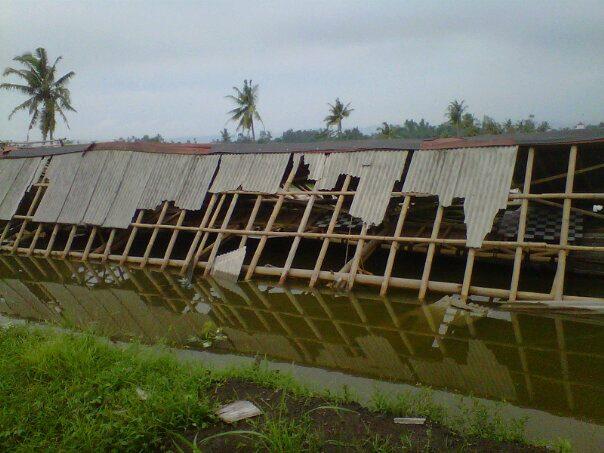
142 394
409 420
239 410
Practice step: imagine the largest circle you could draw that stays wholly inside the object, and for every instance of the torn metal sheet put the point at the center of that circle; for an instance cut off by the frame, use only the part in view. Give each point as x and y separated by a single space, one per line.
252 172
61 173
482 176
27 175
228 265
377 171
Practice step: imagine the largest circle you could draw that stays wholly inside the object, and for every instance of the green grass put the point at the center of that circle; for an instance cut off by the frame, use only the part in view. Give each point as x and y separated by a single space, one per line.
62 392
67 391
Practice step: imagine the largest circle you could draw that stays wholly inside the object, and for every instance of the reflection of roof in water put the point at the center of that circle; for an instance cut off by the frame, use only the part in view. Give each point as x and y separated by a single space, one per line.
437 345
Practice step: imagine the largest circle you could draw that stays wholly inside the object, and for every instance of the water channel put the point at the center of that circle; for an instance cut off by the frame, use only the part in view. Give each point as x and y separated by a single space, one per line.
546 366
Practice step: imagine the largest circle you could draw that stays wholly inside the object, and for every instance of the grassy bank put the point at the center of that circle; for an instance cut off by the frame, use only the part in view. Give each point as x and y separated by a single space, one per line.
61 391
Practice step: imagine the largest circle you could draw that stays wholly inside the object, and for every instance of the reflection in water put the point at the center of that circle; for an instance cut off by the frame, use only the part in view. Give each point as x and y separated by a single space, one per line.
551 362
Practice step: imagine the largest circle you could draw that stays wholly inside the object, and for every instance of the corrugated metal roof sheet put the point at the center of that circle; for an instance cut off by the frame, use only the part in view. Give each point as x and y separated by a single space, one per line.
229 264
61 173
107 187
253 172
133 184
482 176
9 170
377 170
84 184
197 182
166 179
27 174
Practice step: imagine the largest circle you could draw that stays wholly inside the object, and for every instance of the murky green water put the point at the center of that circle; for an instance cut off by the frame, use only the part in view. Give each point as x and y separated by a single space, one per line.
549 362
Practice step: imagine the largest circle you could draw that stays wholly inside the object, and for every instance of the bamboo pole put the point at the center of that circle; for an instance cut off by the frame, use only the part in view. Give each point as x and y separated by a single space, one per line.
32 246
107 250
181 218
207 234
528 174
330 228
357 258
296 242
395 245
29 214
89 243
67 248
251 220
51 241
139 218
430 254
160 219
558 285
271 221
198 233
467 278
219 236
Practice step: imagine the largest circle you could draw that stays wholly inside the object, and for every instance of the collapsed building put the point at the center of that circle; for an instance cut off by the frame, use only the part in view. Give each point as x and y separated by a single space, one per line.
509 217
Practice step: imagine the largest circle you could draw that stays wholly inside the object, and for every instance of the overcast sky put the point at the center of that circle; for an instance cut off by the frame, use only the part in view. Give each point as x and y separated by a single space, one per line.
166 66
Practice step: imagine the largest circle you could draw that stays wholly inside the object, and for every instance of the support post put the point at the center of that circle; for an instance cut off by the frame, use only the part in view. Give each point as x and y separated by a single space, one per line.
395 245
269 225
160 219
124 257
296 242
330 228
528 175
430 254
198 234
89 243
219 236
251 220
558 285
357 258
181 218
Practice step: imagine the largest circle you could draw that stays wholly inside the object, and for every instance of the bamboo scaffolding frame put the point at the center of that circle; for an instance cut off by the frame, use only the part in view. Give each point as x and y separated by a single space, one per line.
440 238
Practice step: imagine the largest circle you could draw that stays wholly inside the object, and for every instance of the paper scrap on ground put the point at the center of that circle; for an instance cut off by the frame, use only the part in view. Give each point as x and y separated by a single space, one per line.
410 420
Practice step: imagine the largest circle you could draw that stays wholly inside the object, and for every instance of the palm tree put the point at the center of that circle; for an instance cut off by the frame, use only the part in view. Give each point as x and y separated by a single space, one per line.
386 130
337 112
47 95
246 111
225 137
455 112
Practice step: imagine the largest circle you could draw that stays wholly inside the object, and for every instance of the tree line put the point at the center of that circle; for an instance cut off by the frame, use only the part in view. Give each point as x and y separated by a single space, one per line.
48 98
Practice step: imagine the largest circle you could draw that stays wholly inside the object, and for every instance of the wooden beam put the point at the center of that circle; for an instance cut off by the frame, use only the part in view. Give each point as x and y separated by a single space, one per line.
357 258
139 218
89 243
251 220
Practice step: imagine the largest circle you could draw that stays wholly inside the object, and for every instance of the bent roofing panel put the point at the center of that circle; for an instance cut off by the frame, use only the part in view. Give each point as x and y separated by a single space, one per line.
61 173
28 174
377 170
107 187
252 172
197 183
482 176
83 187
